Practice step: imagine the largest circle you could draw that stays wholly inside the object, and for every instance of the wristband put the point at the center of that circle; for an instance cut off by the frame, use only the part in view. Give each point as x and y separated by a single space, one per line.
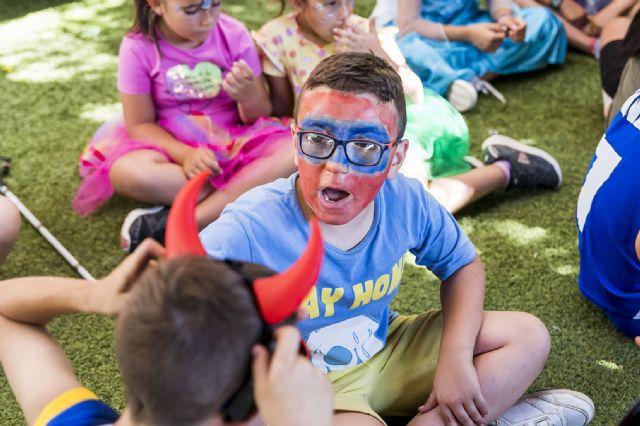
555 4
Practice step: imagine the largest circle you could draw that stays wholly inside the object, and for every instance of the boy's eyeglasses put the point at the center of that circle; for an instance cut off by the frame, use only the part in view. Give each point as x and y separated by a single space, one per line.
361 152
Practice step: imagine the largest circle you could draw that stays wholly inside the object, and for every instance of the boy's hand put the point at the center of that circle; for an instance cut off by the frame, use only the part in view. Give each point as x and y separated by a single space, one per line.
240 83
456 391
356 39
289 391
486 36
198 160
111 292
514 28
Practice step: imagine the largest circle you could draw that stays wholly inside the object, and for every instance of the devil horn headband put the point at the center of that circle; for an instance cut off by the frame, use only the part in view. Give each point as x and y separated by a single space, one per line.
278 296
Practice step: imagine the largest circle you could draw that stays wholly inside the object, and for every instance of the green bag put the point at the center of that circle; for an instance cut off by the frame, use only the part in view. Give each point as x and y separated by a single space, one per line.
441 132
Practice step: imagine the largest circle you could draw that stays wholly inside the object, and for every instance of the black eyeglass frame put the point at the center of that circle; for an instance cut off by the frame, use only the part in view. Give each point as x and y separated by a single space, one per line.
343 142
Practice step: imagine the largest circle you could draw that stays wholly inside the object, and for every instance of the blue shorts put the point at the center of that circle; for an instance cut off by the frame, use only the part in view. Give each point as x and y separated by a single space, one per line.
627 324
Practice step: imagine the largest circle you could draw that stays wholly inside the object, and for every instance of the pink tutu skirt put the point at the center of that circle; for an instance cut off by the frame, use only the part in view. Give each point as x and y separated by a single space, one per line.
235 148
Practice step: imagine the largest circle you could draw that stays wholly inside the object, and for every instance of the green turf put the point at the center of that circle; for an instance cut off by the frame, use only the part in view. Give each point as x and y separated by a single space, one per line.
57 82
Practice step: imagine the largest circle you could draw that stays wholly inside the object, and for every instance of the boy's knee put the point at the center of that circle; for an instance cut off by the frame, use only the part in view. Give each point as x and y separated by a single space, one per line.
10 224
533 333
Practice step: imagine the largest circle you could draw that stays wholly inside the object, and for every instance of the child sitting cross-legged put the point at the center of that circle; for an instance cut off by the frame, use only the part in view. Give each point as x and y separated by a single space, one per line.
458 365
193 98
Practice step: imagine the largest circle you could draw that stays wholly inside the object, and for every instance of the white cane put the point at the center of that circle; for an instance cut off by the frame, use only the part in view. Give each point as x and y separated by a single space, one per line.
45 233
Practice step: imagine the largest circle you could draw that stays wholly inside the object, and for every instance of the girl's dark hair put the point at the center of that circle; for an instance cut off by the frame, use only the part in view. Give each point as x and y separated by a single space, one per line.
144 20
631 42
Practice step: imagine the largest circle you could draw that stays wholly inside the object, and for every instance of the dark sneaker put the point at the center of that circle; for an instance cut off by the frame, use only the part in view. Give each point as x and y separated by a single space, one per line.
530 167
142 223
559 407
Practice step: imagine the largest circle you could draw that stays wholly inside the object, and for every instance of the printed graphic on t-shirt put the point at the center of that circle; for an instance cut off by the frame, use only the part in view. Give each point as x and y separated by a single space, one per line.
201 82
345 344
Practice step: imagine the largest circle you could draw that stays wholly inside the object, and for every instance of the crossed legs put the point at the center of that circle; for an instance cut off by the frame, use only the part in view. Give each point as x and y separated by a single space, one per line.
511 350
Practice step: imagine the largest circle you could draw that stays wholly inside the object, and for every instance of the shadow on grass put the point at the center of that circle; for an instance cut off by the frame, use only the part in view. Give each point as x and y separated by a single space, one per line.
11 9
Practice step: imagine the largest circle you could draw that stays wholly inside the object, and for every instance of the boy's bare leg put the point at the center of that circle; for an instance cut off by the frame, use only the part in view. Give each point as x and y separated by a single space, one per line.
611 11
456 192
511 350
615 30
9 226
354 419
147 176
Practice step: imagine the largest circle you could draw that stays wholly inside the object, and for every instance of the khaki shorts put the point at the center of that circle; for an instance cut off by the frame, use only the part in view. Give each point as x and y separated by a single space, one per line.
398 379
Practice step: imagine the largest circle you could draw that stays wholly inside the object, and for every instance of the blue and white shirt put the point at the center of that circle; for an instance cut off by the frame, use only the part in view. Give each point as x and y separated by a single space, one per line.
349 306
608 216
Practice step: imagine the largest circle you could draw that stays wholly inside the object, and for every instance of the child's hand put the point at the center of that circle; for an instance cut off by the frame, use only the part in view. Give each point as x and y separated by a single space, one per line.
456 392
112 291
487 36
356 39
289 390
240 83
514 28
198 160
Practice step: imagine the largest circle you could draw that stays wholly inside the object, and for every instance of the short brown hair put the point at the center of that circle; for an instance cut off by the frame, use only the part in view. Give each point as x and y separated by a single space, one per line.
184 339
357 72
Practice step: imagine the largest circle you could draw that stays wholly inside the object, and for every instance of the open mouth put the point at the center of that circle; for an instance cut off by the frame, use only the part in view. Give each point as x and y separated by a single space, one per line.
334 195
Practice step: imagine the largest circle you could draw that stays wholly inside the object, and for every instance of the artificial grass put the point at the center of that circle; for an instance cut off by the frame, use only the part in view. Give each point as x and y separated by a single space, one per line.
57 83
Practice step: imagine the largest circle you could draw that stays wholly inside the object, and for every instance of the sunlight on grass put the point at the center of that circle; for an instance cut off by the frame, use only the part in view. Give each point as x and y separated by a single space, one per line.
59 43
517 232
612 366
100 113
567 270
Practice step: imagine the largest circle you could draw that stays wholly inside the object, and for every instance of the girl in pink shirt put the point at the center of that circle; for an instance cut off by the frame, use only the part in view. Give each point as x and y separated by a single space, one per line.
193 98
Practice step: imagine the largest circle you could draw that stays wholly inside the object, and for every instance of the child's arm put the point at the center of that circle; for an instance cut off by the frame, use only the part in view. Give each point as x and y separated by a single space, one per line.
248 90
140 119
281 96
34 364
456 389
355 39
484 36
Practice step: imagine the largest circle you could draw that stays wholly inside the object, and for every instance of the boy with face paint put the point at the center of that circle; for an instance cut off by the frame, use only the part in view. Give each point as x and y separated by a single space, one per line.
459 365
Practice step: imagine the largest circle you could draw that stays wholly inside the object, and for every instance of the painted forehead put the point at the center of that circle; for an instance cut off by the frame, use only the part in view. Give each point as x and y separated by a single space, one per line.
203 4
323 102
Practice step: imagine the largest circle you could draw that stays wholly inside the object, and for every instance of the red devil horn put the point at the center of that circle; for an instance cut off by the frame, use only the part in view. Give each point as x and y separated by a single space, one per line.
181 235
280 295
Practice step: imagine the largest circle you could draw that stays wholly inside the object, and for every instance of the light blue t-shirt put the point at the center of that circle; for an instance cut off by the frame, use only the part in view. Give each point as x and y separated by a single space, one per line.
608 217
349 306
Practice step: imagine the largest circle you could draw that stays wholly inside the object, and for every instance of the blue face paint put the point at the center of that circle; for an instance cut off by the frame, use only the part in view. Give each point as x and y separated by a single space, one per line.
206 4
347 130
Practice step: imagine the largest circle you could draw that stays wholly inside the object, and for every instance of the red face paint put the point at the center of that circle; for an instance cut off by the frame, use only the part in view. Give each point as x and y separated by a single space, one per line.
334 189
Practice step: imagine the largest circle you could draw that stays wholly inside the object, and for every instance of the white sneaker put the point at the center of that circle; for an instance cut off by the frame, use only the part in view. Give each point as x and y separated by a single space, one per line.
558 407
487 88
462 95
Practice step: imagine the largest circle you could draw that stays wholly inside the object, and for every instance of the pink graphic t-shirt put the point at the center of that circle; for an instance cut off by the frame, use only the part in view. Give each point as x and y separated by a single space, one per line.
187 81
